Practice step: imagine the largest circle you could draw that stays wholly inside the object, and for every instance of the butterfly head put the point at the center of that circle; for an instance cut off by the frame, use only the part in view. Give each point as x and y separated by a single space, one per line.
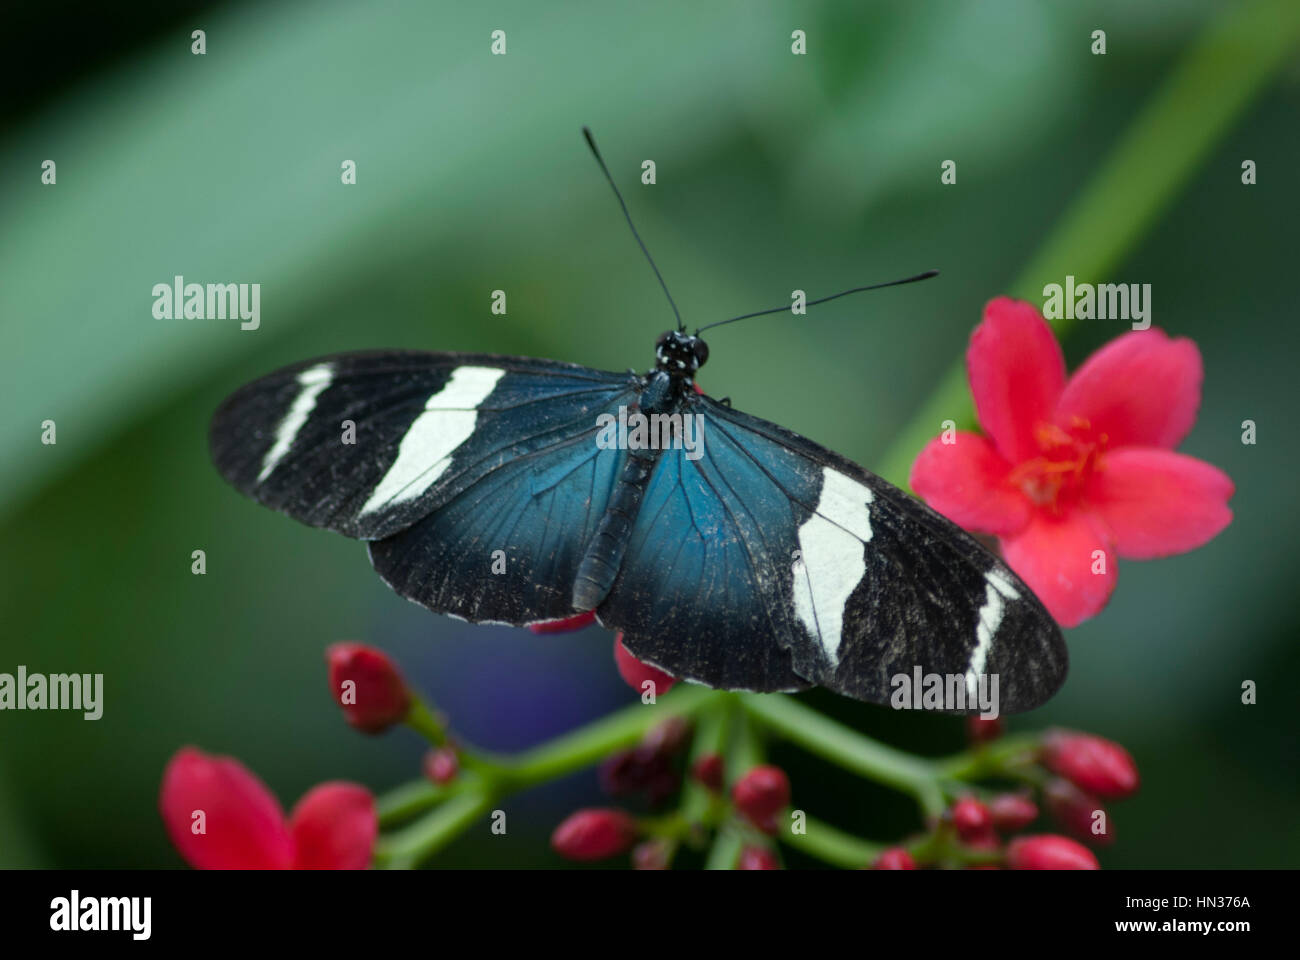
680 355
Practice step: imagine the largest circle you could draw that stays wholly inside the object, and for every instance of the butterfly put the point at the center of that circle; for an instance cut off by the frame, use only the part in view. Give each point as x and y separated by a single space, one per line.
728 550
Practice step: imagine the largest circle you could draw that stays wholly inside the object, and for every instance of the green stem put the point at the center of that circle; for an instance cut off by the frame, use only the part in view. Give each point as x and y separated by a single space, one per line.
849 749
832 845
402 803
995 759
587 745
744 751
712 728
423 721
410 847
487 779
1153 161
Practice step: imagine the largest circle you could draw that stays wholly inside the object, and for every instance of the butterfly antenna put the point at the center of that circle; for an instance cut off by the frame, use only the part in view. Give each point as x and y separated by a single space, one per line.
835 296
586 132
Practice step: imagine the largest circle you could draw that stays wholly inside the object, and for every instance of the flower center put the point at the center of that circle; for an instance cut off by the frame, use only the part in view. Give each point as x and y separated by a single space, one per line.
1067 458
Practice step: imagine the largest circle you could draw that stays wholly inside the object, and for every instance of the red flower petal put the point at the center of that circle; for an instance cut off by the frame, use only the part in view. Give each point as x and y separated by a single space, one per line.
1157 502
243 825
1016 375
1140 389
966 481
334 828
1054 556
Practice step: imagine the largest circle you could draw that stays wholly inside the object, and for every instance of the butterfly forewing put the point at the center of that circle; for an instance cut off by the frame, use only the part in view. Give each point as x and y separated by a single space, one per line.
369 444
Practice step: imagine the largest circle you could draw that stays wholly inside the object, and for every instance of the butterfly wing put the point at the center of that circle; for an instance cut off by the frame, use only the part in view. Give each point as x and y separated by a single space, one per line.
773 563
367 444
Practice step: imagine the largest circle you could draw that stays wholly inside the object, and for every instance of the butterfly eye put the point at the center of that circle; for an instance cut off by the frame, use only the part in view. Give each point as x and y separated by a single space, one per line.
663 337
701 352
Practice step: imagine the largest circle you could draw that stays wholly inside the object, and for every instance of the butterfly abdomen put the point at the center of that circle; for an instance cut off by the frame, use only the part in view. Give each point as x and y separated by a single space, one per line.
604 554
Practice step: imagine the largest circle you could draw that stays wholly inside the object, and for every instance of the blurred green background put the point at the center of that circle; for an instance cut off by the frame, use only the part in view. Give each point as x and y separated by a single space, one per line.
774 172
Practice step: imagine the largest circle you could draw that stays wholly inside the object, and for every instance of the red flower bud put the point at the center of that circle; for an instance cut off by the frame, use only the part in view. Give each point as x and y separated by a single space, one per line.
636 673
971 818
651 855
895 858
1080 814
366 684
1094 764
441 765
594 834
761 794
757 858
564 624
1049 852
708 770
1012 812
983 729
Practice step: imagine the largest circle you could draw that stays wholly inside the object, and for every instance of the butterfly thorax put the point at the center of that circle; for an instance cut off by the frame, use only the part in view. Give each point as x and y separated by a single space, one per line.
677 357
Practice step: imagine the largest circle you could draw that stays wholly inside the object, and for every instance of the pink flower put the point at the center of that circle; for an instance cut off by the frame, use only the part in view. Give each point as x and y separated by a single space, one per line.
1074 473
222 817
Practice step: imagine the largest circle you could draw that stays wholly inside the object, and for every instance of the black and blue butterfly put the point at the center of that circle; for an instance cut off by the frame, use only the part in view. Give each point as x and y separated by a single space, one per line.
759 561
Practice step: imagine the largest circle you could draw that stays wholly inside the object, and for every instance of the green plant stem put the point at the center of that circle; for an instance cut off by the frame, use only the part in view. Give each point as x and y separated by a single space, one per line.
591 743
404 802
488 778
424 722
851 750
1154 160
744 751
712 729
832 845
410 847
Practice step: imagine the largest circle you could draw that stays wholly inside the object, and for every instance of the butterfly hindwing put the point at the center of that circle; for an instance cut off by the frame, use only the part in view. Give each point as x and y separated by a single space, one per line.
506 548
850 582
699 592
367 444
